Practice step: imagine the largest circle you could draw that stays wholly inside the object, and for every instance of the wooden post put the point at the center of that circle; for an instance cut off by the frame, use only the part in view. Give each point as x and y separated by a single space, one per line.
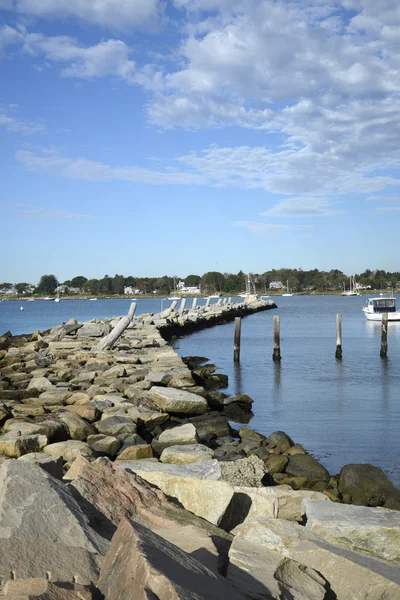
182 308
236 339
109 340
207 303
338 353
194 303
229 300
384 332
173 305
277 339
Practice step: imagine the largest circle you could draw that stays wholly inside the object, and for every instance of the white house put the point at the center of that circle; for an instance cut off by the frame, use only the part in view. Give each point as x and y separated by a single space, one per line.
276 285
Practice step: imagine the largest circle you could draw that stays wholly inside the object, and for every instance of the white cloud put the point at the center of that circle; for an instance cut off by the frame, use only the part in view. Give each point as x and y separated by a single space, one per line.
8 36
386 209
118 14
11 123
110 58
270 229
302 206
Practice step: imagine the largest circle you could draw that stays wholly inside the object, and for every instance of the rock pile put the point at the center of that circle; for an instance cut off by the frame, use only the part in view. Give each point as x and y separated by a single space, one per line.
123 478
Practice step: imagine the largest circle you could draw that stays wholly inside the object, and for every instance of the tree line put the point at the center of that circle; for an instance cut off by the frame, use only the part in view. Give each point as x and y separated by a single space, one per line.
212 282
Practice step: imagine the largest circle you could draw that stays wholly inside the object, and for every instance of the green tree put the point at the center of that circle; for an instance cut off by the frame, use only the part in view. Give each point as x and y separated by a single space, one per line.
78 281
117 284
6 285
212 282
192 280
92 286
22 287
47 284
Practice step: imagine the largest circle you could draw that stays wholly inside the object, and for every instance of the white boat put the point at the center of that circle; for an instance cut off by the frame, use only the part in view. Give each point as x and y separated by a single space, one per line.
92 299
250 289
288 291
352 289
376 307
174 298
57 298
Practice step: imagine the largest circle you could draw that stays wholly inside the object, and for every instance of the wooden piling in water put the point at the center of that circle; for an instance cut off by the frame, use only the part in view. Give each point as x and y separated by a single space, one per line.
277 338
338 352
173 305
236 339
194 303
207 304
384 336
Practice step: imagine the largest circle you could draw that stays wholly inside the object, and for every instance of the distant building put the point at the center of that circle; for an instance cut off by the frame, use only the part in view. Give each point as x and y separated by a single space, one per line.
183 289
128 289
276 285
8 292
62 289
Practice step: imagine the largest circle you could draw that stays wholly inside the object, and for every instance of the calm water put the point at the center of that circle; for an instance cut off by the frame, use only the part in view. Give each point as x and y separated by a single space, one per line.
346 412
341 412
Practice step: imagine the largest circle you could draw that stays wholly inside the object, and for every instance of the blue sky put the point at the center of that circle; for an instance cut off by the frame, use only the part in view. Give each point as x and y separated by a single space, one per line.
181 136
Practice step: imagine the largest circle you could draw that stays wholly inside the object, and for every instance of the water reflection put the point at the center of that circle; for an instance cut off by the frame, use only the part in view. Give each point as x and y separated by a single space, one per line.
277 376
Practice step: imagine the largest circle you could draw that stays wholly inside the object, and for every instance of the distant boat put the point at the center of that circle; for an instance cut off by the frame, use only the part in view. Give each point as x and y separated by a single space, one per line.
288 291
92 299
30 299
352 289
57 298
21 308
174 298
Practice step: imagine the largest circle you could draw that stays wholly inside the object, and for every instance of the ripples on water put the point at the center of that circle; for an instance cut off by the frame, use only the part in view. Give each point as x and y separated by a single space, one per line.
342 412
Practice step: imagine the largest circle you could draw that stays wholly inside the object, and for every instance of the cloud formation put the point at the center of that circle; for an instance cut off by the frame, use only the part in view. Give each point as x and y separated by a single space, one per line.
37 212
117 14
270 229
12 123
302 206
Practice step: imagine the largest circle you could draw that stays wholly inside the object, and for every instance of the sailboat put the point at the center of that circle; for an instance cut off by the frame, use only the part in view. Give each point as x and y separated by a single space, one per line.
352 289
288 292
174 296
250 289
57 298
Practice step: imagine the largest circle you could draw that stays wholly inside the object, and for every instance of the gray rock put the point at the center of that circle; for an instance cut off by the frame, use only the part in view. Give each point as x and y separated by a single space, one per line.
190 453
104 445
304 465
184 434
115 426
52 465
54 396
281 440
78 428
40 383
375 531
247 472
12 445
34 506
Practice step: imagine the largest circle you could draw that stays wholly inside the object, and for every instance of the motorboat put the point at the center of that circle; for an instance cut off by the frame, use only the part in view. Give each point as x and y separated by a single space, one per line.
92 299
250 292
174 298
376 307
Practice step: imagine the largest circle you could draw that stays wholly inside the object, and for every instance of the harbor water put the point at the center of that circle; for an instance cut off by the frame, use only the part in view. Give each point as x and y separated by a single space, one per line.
342 412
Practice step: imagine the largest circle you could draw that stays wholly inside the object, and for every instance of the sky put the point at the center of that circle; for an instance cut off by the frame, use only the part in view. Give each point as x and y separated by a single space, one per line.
183 136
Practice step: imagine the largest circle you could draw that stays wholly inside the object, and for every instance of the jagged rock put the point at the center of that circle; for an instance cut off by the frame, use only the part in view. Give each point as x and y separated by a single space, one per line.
275 463
4 414
116 426
26 410
54 396
189 453
240 399
37 507
305 465
367 485
43 589
158 378
44 358
375 531
177 401
78 399
104 445
247 472
281 440
78 428
350 574
150 567
50 464
69 450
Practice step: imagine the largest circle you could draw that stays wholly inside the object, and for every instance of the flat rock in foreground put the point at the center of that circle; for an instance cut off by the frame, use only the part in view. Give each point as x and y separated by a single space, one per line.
141 565
172 400
207 469
375 531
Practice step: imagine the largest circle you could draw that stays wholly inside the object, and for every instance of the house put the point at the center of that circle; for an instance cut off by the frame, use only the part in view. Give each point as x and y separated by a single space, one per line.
181 287
276 285
128 289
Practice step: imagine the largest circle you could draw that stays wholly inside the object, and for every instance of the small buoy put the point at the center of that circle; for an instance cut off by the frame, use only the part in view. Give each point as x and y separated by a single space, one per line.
21 308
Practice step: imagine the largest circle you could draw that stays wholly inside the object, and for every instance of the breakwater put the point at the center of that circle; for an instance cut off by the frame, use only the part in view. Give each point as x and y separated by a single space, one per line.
104 435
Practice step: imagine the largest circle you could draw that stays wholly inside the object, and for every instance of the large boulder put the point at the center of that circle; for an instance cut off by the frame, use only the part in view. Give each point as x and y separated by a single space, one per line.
104 445
367 485
141 565
12 445
116 426
209 469
281 440
69 450
375 531
78 428
305 465
173 400
182 435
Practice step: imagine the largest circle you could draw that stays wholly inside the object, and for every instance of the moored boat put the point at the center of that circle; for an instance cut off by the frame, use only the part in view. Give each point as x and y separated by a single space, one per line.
376 307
